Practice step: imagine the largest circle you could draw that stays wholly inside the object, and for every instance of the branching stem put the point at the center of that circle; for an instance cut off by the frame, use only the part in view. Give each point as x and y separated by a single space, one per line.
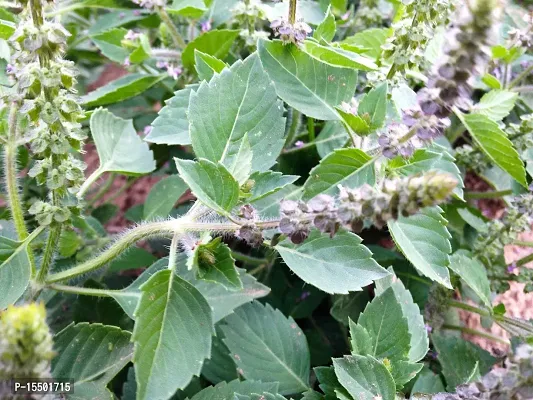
179 42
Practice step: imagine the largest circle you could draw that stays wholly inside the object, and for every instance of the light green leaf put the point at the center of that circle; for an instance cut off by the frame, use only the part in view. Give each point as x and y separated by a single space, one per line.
119 147
367 42
496 104
425 242
332 136
15 274
355 123
207 65
326 29
419 342
172 335
171 125
7 245
133 258
428 383
306 84
374 104
338 57
360 339
387 327
335 265
461 361
349 306
220 11
187 8
267 183
142 51
242 163
69 243
491 81
473 272
346 167
275 349
211 183
213 262
222 300
105 350
330 385
237 101
110 44
404 372
7 28
226 391
121 89
115 19
216 43
364 377
495 144
163 196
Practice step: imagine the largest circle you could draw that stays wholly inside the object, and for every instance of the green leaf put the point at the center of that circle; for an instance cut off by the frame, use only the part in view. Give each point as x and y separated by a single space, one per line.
425 242
172 335
216 43
207 65
237 101
220 11
360 340
349 306
461 361
7 28
473 272
15 274
330 385
115 19
187 8
133 258
110 44
404 372
7 246
346 167
419 342
491 81
495 144
274 349
335 265
304 82
171 125
119 147
364 377
428 382
326 29
355 123
374 104
211 183
213 262
163 196
142 51
242 163
121 89
267 183
220 367
226 391
367 42
222 300
387 327
338 57
69 243
496 104
105 350
332 136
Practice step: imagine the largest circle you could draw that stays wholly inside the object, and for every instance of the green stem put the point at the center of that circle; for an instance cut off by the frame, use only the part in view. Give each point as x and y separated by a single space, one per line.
487 195
292 11
524 260
10 165
150 230
475 332
523 243
49 251
122 189
311 129
522 75
83 290
469 307
88 182
293 128
179 42
103 190
248 259
173 251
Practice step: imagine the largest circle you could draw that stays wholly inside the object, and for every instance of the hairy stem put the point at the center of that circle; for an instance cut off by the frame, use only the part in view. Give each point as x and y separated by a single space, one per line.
292 11
49 250
248 259
470 331
103 190
150 230
88 183
470 308
523 243
173 251
178 40
82 290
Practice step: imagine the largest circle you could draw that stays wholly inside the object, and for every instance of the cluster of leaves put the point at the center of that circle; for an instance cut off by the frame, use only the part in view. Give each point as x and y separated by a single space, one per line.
310 236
